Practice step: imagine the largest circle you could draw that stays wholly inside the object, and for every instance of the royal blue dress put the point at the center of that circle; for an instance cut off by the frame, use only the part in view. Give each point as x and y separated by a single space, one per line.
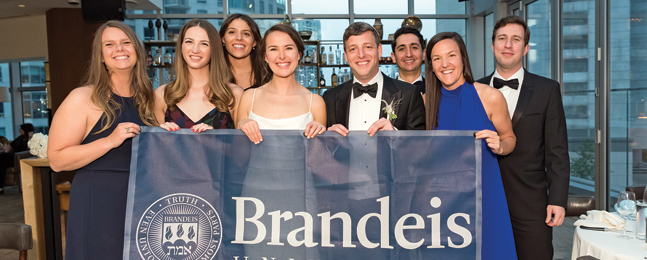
95 224
461 109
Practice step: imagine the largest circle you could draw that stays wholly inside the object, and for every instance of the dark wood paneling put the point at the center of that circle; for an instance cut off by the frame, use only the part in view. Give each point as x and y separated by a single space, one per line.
69 43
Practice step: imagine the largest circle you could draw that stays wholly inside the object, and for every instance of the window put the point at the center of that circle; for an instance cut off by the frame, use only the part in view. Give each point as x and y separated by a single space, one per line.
320 7
32 74
253 7
439 7
381 7
490 64
539 22
628 100
578 85
34 96
202 11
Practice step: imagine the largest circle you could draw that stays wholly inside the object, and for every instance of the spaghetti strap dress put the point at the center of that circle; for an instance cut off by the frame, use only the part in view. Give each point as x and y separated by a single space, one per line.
215 119
95 226
279 187
461 109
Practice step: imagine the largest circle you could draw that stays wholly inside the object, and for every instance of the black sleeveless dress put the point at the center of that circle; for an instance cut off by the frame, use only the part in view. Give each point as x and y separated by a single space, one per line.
95 226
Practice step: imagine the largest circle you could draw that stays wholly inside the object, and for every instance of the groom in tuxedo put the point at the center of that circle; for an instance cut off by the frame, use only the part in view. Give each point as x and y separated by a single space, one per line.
360 104
536 174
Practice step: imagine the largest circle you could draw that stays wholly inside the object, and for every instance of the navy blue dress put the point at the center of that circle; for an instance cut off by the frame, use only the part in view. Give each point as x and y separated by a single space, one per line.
461 109
95 226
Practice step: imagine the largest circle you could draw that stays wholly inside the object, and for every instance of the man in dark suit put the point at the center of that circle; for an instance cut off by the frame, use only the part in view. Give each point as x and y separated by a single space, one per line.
360 104
536 174
408 52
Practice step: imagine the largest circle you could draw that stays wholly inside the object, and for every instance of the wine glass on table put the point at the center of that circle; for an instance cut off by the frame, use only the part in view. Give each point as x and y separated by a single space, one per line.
626 207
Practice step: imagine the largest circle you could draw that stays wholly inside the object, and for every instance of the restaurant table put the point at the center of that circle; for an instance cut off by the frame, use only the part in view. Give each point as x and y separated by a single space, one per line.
42 211
606 245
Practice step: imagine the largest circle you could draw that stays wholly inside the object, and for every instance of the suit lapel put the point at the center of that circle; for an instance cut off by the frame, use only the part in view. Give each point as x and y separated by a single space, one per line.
390 93
342 101
486 80
527 89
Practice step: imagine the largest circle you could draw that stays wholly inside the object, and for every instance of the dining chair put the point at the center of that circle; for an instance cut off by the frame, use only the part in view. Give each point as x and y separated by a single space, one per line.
16 236
638 190
578 205
587 257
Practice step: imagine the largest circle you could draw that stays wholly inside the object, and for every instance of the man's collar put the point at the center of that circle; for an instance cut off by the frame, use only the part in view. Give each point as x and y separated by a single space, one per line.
418 79
516 75
377 79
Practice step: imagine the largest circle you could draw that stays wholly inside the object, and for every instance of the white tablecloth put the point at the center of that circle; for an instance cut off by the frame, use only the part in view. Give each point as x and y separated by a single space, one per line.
607 246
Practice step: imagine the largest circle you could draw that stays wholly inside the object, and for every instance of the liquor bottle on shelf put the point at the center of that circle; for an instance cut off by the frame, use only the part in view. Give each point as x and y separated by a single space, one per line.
157 59
314 55
149 58
167 58
322 80
331 57
340 77
346 75
333 78
323 57
307 59
338 55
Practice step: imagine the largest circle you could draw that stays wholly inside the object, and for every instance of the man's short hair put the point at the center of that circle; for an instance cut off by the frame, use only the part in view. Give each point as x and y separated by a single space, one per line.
407 30
512 19
359 28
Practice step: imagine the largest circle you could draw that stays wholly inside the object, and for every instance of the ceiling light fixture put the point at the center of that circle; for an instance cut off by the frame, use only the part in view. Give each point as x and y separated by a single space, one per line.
21 5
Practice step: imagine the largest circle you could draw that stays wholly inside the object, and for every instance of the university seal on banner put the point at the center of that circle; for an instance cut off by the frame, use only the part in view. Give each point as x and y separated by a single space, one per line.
179 226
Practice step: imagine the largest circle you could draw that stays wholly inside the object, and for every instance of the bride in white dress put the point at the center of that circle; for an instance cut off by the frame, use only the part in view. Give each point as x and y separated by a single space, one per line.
281 103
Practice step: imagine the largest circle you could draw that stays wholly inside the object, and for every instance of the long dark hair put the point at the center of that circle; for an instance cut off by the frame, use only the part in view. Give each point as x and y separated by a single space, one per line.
257 61
294 35
98 76
434 85
219 75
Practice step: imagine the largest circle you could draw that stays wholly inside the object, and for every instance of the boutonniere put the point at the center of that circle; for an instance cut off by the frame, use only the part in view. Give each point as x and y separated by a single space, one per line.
389 108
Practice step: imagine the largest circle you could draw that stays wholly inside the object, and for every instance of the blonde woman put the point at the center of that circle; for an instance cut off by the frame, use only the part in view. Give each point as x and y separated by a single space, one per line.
92 131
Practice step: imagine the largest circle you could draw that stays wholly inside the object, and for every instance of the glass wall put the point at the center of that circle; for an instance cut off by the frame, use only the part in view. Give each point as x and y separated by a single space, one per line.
628 108
34 96
6 120
539 22
578 90
490 63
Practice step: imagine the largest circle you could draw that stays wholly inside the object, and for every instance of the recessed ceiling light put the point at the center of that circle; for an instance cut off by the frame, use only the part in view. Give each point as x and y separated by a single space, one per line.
21 5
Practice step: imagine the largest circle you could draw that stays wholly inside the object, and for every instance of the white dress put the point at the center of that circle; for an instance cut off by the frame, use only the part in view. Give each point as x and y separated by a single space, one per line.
276 174
292 123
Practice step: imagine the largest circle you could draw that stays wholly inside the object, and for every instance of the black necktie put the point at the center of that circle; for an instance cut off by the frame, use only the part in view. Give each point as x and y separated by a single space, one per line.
499 83
358 89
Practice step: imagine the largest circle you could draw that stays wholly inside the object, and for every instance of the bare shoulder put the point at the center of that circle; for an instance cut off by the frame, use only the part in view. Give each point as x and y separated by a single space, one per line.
79 97
317 100
159 91
237 90
488 94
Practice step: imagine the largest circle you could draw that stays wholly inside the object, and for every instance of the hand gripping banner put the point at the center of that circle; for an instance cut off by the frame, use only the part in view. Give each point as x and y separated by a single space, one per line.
216 195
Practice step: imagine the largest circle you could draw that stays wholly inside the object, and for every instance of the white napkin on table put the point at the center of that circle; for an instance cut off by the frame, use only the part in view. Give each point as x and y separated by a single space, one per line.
601 218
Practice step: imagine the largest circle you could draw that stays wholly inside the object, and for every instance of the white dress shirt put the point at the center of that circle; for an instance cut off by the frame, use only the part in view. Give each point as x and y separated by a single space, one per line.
418 79
365 110
511 95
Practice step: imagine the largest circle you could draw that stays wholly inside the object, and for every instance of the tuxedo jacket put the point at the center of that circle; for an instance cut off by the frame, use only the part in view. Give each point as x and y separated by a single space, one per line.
537 172
421 85
410 112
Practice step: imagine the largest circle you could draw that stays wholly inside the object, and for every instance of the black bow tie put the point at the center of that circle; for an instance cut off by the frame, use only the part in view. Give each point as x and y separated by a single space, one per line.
499 83
358 90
